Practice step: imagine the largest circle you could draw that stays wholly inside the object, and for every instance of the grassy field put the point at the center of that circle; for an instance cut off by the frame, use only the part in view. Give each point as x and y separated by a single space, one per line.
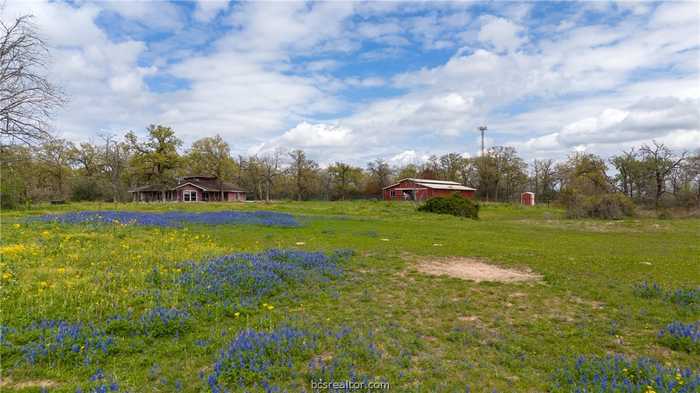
139 308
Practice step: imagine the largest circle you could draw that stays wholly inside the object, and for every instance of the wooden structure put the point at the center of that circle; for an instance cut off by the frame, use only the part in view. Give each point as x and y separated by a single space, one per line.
527 198
190 189
411 189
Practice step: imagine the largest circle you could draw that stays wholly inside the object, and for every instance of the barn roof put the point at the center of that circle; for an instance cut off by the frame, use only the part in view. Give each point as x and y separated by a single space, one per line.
435 184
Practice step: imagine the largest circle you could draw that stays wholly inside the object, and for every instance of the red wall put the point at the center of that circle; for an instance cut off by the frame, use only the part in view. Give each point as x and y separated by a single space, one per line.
422 194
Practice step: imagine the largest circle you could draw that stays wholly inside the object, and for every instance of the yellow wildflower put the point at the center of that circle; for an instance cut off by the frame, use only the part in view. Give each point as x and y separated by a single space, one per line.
44 284
12 249
17 225
237 314
270 307
45 234
61 270
6 276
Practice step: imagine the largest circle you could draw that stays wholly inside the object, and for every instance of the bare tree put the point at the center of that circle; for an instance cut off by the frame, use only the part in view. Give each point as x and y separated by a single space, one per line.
302 170
115 162
270 164
27 97
661 162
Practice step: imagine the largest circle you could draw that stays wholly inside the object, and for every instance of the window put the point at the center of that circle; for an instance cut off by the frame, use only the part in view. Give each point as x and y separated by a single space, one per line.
189 196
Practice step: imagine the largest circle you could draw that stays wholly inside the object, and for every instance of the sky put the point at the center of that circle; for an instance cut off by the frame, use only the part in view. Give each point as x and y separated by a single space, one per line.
356 81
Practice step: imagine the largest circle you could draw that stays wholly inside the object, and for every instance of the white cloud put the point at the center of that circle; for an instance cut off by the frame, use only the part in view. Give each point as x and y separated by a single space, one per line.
407 157
501 33
546 86
208 9
669 119
317 135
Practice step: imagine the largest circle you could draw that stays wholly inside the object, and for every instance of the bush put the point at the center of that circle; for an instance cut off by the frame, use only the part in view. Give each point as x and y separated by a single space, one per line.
456 205
611 206
86 189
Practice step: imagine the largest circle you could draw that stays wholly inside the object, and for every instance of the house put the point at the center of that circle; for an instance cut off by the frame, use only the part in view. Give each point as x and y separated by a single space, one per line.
421 189
190 189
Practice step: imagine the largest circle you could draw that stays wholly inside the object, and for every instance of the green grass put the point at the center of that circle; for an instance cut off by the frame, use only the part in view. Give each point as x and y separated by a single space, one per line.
431 333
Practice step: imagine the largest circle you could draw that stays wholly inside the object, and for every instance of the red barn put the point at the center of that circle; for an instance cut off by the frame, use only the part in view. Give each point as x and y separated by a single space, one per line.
410 189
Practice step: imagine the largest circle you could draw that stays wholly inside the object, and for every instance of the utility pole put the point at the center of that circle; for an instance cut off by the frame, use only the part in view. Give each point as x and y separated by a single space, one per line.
482 129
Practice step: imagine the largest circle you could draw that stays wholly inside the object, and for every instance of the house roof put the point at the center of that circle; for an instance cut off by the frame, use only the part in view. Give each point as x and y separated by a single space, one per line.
209 184
204 183
146 188
435 184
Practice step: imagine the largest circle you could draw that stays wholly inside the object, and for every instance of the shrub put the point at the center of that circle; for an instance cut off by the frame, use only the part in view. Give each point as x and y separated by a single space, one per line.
455 205
611 206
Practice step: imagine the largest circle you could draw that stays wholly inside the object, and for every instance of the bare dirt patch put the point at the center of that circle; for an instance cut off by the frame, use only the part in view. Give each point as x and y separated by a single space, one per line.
39 383
474 270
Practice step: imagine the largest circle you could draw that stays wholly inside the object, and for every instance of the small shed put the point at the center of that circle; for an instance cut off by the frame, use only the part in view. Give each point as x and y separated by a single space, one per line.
411 189
527 198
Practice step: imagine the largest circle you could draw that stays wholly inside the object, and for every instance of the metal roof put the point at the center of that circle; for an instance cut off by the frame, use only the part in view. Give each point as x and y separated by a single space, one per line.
436 184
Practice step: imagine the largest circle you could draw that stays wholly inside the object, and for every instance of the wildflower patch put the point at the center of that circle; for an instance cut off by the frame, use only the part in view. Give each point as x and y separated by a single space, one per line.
681 336
287 357
174 219
242 280
688 298
620 374
55 342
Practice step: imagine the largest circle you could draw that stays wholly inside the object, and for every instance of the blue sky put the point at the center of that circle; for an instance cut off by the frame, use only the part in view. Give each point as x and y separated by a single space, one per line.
356 81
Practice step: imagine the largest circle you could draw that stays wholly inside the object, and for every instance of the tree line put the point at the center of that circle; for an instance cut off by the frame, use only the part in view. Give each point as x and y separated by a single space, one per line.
106 169
36 166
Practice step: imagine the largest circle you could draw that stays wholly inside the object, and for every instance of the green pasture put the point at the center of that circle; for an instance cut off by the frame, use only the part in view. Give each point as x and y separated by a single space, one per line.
427 333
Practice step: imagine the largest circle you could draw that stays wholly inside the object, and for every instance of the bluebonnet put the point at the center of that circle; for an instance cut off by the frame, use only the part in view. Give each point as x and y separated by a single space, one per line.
682 297
243 279
648 290
620 374
99 384
172 219
681 336
254 358
685 297
162 321
61 340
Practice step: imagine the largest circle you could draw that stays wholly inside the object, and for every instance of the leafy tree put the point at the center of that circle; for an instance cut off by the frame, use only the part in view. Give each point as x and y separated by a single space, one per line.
379 176
155 160
19 173
409 170
211 156
502 173
345 179
56 158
